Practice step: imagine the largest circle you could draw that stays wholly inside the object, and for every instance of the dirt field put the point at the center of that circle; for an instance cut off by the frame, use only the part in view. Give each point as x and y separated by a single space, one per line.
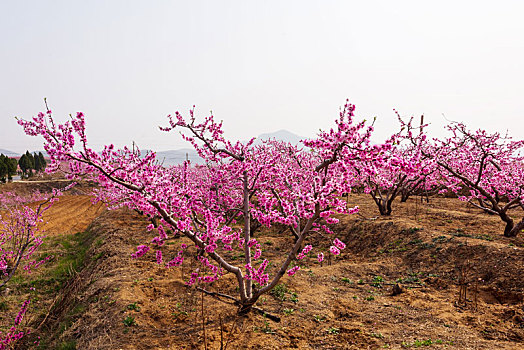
72 213
116 302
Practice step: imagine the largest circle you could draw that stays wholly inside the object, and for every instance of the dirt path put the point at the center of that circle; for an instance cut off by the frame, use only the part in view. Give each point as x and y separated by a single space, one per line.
40 181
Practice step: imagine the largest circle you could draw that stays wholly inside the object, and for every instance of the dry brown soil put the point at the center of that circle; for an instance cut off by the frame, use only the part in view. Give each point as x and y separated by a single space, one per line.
347 304
73 212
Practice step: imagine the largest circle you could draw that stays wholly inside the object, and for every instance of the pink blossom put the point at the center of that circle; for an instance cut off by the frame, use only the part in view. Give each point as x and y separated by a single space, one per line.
22 312
140 251
339 244
304 251
293 270
334 250
159 257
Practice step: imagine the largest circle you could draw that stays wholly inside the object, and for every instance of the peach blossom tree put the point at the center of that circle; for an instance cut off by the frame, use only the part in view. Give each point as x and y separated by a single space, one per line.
220 205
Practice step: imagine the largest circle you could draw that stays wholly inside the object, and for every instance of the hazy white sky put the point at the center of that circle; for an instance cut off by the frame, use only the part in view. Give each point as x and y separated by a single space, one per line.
259 65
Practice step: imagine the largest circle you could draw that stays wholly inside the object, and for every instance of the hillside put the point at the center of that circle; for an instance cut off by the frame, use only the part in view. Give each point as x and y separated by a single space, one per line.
115 302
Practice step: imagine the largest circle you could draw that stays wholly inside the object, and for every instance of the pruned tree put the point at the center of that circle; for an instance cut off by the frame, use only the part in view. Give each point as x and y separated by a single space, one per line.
270 183
484 169
398 166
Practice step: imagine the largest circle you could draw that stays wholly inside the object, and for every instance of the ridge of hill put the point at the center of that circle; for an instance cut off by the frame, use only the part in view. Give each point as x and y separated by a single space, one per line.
8 153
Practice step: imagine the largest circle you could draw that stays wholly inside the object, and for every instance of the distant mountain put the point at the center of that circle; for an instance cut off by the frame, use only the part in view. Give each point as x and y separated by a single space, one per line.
14 154
44 153
8 153
281 135
178 156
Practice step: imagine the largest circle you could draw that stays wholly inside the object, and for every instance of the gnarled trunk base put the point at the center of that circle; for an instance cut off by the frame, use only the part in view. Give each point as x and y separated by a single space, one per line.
512 230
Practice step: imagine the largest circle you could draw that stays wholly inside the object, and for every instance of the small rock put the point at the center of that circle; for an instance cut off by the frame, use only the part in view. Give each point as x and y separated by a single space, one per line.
396 290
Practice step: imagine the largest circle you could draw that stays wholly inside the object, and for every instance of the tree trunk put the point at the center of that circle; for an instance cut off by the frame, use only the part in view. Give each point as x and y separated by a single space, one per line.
514 230
388 206
249 306
246 307
511 230
384 207
247 233
404 195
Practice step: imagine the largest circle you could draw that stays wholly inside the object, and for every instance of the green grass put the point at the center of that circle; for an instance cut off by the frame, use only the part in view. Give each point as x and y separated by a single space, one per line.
133 306
282 293
333 330
377 281
440 239
461 233
68 345
98 256
293 297
427 342
414 277
288 311
376 335
265 329
319 318
396 246
69 258
70 252
129 321
279 292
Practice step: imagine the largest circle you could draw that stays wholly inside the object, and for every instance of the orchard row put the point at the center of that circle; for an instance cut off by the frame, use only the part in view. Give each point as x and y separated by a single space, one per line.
221 205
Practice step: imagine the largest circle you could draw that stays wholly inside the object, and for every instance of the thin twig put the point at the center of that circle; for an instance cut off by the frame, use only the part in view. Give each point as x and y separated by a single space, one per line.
221 332
204 322
236 302
231 331
219 295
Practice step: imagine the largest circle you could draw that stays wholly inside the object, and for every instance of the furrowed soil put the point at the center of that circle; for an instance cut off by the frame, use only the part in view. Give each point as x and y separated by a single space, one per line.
430 250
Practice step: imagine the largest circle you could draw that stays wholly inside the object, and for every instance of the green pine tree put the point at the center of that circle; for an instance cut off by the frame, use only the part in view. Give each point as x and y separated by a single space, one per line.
30 160
22 163
3 168
43 162
38 166
12 166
